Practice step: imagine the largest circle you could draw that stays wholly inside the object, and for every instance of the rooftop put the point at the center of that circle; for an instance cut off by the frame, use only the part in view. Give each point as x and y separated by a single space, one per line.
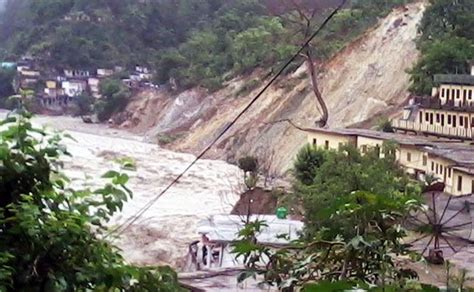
399 138
461 154
461 79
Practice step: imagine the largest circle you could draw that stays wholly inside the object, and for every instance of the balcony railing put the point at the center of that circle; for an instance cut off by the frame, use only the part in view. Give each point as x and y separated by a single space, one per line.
433 129
448 105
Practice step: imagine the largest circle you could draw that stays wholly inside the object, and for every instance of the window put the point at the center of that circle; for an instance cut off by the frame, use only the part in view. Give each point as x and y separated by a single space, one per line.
449 119
326 145
453 93
472 187
421 117
442 119
364 148
454 121
408 156
425 160
431 118
315 142
427 117
461 121
437 169
432 166
458 93
442 92
449 172
437 118
459 183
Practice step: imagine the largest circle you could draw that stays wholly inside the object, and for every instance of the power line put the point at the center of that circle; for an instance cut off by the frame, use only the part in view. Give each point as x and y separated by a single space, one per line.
124 226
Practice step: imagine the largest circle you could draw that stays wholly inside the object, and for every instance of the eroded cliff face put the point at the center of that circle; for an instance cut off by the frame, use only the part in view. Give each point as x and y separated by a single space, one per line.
364 81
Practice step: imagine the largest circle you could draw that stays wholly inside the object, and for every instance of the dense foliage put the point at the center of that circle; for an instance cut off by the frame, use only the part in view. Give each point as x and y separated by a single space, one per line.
199 42
49 232
353 207
115 98
446 44
6 85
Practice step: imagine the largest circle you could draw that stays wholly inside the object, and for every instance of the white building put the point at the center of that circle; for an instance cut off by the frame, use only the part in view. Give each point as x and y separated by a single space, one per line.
94 86
74 87
71 73
104 73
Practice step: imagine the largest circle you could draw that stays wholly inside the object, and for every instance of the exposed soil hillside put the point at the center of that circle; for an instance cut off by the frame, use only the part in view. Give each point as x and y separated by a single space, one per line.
366 80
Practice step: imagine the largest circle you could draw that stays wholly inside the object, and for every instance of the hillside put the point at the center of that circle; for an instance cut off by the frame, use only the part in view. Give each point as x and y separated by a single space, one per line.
365 80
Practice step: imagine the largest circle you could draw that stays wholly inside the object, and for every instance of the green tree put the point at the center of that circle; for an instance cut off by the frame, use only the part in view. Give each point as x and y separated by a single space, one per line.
84 104
50 233
6 85
308 160
346 171
446 43
442 56
115 98
354 209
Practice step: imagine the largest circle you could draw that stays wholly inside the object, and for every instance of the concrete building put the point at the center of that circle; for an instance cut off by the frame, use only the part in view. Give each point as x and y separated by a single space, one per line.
451 163
449 112
74 88
72 73
93 84
102 73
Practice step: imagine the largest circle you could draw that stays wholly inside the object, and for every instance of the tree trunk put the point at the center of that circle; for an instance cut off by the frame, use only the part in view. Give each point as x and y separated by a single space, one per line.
314 82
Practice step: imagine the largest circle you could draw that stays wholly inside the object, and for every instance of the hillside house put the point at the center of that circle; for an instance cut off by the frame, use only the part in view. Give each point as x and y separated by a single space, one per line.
449 112
74 88
27 78
77 16
8 65
103 73
72 73
141 74
52 89
451 163
93 84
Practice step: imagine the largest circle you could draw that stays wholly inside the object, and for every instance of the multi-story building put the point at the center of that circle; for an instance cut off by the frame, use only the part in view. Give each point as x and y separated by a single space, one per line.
449 112
452 163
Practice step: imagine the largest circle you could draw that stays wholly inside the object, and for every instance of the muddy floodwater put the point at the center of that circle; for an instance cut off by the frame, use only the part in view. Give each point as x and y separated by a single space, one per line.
162 234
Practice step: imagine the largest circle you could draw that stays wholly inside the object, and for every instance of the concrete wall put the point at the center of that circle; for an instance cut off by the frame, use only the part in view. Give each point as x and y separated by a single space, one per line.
445 119
464 186
329 140
415 160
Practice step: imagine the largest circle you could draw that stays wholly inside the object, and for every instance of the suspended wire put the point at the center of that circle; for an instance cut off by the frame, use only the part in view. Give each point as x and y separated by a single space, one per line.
125 225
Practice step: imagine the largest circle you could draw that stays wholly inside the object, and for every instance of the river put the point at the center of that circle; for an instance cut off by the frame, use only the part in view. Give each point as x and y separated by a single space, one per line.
162 234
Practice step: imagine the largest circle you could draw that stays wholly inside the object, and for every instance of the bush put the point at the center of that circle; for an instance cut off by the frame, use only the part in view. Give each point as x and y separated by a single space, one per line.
354 207
308 160
115 98
51 234
84 104
248 164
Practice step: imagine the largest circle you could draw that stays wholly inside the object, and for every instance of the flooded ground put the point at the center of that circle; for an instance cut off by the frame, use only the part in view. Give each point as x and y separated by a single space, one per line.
162 235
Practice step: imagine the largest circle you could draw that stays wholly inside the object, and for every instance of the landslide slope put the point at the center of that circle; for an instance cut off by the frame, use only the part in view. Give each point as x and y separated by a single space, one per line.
365 80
